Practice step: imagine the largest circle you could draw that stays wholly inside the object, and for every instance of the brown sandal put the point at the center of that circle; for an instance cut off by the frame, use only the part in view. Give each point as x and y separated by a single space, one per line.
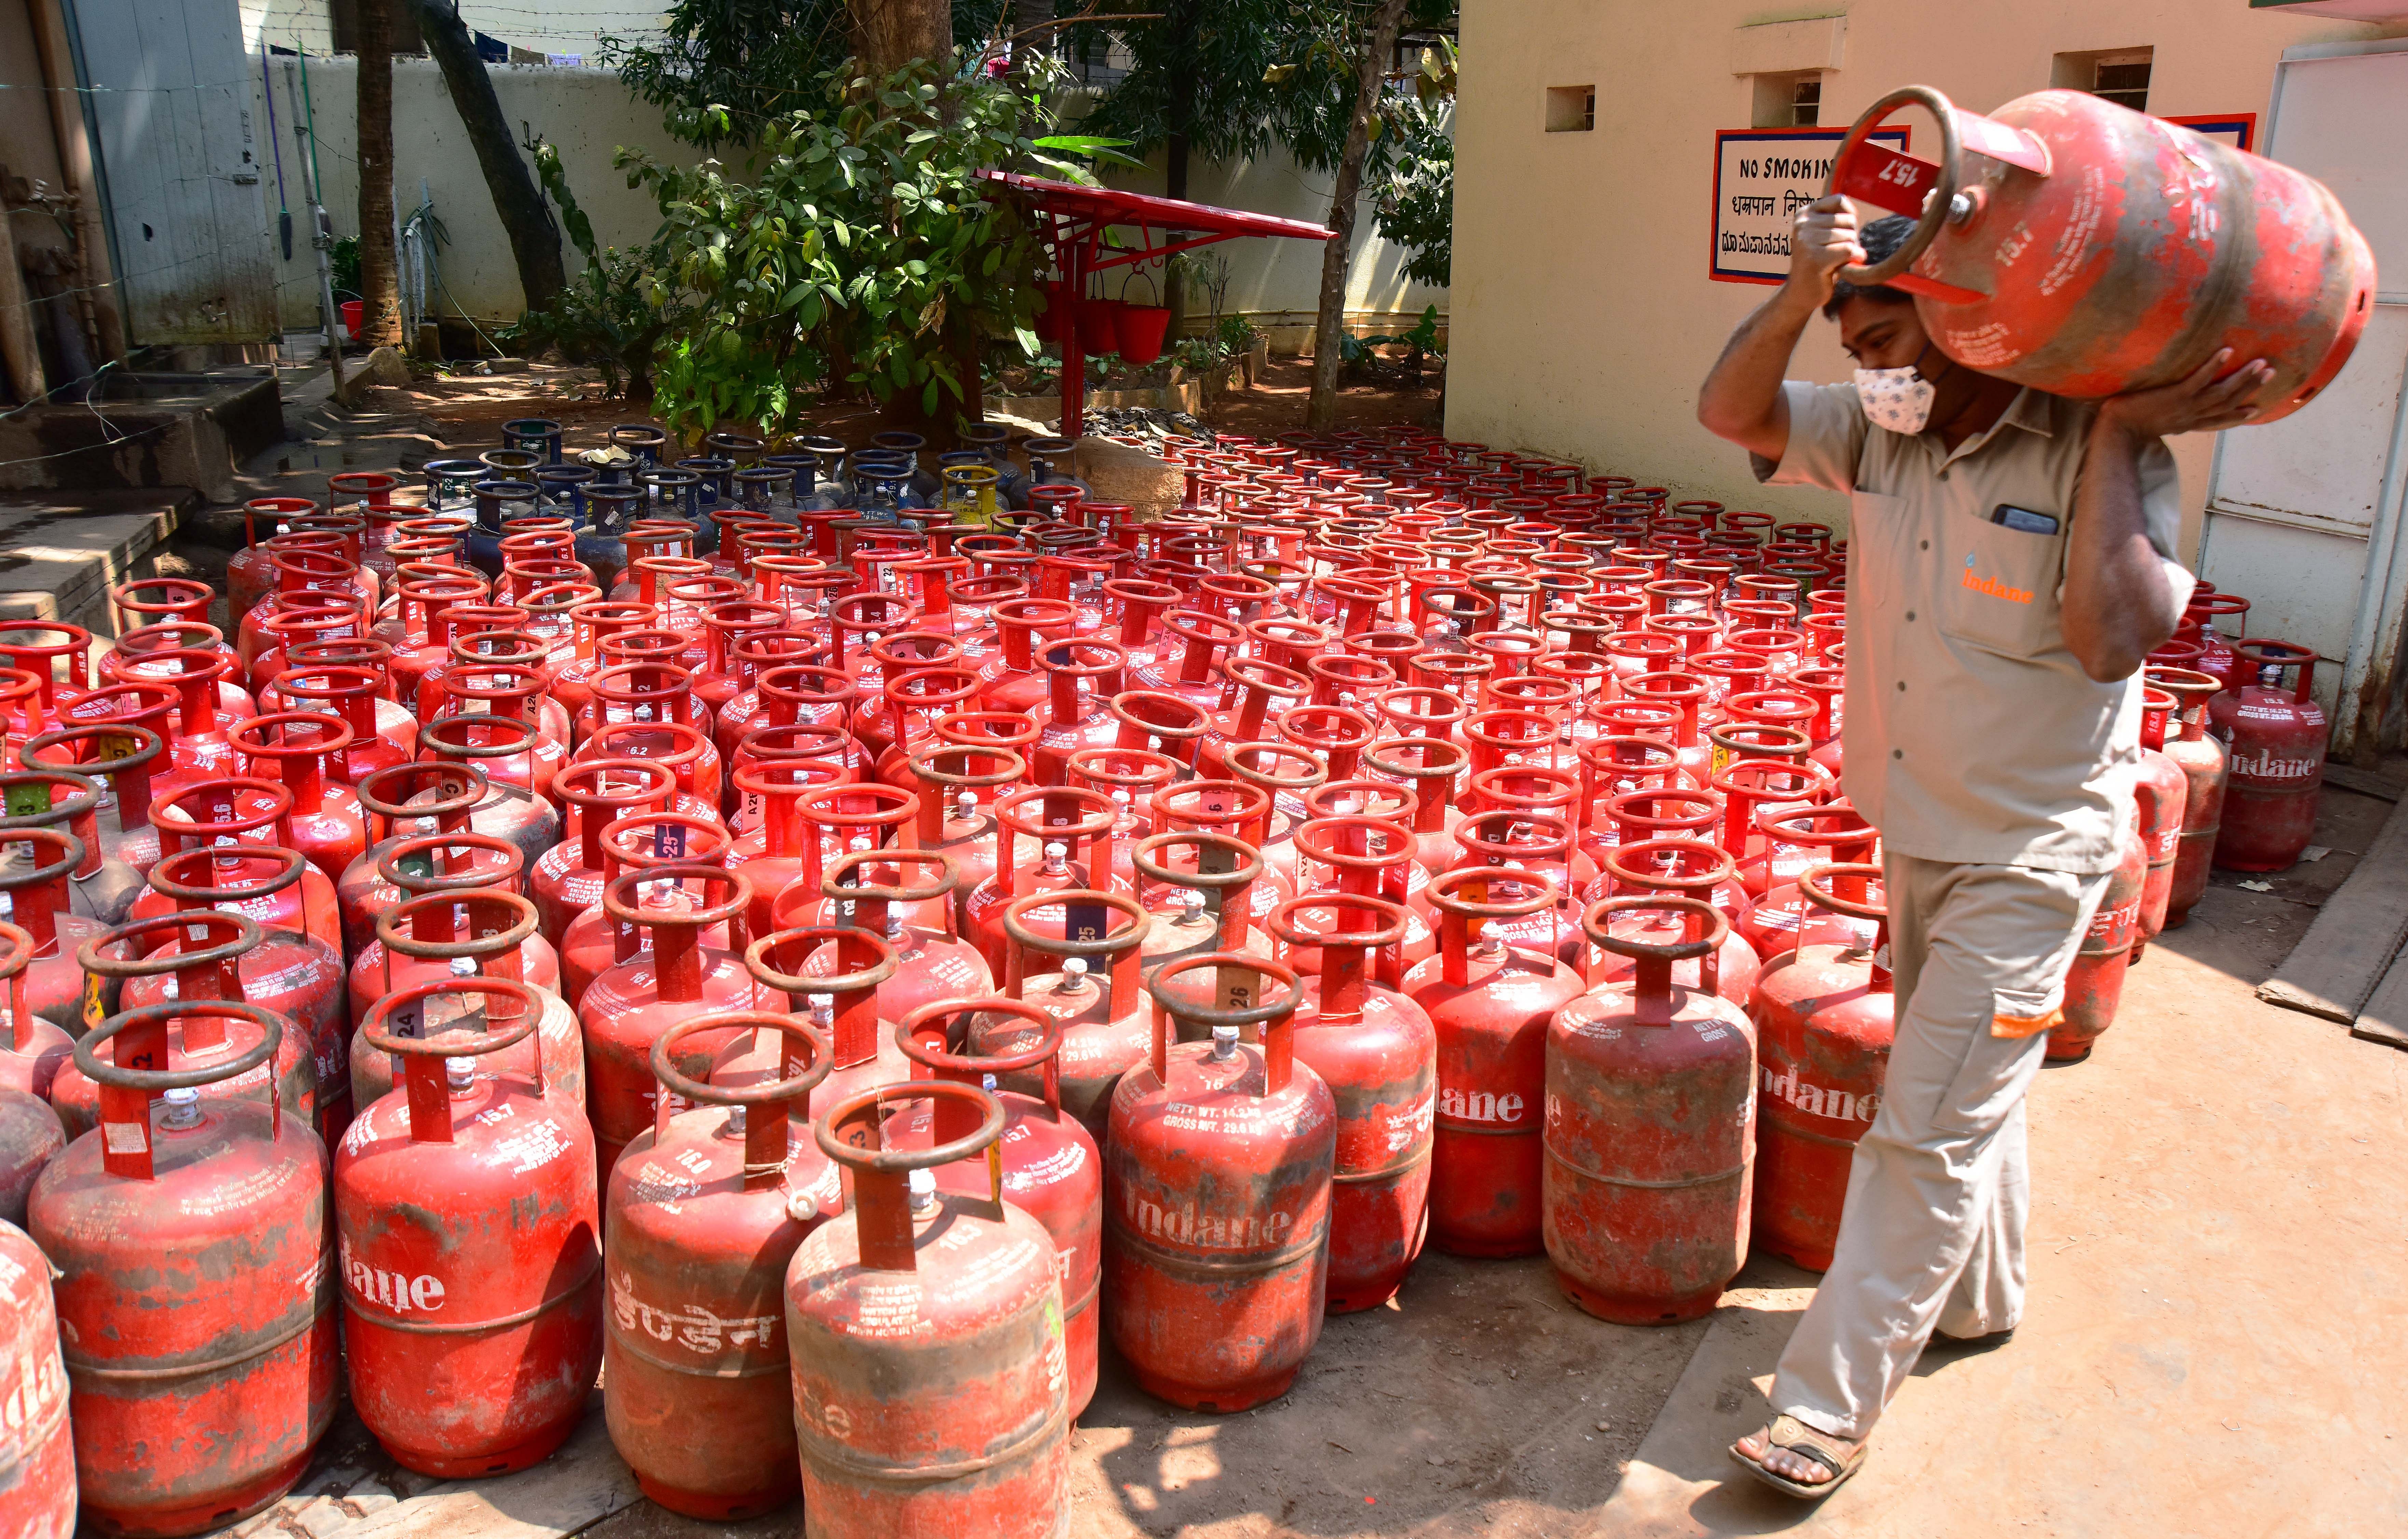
1790 1435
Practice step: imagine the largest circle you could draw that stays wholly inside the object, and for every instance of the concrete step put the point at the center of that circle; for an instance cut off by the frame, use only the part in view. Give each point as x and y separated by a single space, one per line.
62 551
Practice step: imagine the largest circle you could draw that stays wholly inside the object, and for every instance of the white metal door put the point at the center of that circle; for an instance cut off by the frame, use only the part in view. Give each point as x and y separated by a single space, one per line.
171 101
2304 515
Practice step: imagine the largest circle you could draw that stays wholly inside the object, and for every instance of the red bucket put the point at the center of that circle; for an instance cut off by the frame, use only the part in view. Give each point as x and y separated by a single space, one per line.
1047 324
1140 329
355 315
1099 326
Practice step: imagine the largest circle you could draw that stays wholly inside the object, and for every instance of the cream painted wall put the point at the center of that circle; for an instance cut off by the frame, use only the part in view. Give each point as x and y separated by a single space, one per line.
586 113
1582 316
540 26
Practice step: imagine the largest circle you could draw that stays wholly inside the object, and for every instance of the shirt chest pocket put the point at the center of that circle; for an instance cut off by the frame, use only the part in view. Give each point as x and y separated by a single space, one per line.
1997 587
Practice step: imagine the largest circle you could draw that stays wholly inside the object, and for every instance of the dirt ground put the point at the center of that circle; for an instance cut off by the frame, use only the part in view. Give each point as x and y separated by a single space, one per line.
466 411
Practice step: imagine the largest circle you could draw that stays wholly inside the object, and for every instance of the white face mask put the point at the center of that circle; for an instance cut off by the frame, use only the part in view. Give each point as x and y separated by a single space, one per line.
1898 399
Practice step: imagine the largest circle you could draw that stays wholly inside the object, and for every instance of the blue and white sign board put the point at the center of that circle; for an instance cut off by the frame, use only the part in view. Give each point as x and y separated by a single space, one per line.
2237 129
1762 177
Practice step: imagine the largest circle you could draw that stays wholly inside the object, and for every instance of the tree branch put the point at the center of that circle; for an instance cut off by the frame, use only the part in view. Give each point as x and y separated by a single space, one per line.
1080 21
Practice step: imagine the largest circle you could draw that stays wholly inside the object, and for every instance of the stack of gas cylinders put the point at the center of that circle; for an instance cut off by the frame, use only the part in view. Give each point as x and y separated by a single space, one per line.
819 945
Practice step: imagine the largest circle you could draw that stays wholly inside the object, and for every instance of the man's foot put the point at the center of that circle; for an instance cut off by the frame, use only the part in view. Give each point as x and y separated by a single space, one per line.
1791 1456
1986 1341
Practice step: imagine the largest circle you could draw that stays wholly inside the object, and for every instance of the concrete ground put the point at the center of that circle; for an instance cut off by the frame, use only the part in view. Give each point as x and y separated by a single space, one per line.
2216 1344
2215 1341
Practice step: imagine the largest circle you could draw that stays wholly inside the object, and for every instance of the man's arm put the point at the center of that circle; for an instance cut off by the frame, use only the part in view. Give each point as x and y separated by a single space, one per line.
1742 399
2118 603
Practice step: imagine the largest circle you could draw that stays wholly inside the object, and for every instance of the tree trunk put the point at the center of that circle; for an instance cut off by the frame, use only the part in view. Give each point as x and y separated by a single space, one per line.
941 427
534 240
1371 68
1181 109
893 33
379 289
1029 45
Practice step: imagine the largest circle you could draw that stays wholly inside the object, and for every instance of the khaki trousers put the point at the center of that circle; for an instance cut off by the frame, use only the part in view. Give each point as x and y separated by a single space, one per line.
1933 1232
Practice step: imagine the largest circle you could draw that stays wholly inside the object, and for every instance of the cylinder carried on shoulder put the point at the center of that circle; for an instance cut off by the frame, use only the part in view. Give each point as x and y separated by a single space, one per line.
2084 249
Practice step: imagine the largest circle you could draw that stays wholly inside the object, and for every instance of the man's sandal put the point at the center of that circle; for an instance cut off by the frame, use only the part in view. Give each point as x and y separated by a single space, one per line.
1969 1346
1790 1435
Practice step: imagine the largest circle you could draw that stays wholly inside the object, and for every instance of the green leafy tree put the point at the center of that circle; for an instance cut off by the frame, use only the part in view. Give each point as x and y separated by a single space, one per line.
753 60
862 248
1203 80
1415 203
1225 80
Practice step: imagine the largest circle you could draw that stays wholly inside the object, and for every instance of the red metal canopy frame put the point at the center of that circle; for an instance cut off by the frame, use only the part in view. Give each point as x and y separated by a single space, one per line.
1072 221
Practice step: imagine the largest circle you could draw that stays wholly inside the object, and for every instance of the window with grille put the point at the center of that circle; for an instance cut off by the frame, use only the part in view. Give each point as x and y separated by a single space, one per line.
2125 85
1792 99
2119 75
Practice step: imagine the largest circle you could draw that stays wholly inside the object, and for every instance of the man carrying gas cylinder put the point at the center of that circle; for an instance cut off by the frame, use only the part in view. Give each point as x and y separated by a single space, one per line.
2010 565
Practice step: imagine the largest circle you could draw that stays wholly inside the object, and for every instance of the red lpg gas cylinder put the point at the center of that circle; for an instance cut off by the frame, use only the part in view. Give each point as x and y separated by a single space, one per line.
33 1048
595 941
932 962
327 823
1217 1179
2094 986
1797 840
55 988
2277 738
596 791
1650 1128
195 1289
38 1500
200 972
706 1208
99 887
1683 867
287 970
1823 1015
471 866
31 1136
634 1001
930 1381
428 866
1378 1053
1203 899
122 753
2158 793
1051 1170
278 892
2202 758
494 940
2160 247
402 802
473 1326
1490 1003
1103 1018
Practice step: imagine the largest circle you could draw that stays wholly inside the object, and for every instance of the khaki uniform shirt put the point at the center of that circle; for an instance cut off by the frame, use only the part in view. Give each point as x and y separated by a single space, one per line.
1972 733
